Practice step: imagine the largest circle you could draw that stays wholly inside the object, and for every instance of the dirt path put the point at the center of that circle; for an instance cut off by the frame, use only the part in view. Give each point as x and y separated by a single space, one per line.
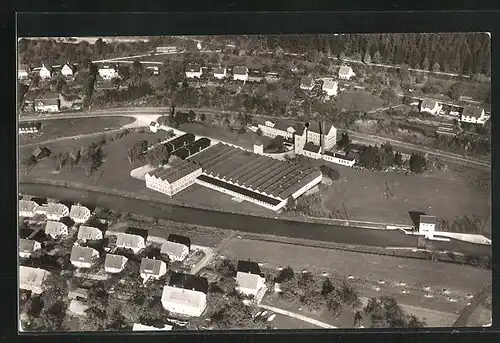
469 310
298 316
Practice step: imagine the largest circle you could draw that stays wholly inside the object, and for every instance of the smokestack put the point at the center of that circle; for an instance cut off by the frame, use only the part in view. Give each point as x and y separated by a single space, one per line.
320 136
306 130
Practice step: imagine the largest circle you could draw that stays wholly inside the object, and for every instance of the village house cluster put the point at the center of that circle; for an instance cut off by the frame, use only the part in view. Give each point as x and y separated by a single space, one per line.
467 114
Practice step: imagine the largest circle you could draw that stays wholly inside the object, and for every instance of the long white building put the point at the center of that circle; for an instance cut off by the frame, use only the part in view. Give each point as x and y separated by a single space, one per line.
173 179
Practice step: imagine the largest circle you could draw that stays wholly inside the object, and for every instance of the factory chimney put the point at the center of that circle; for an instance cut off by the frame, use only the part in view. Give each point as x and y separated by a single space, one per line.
306 129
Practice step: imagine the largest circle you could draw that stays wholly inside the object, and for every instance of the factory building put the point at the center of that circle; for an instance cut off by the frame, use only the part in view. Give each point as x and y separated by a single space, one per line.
173 179
193 148
179 142
258 179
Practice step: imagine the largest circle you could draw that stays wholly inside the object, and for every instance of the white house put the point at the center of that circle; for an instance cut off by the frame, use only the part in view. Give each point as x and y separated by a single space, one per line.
57 211
346 72
31 279
193 71
249 278
47 105
307 83
185 295
313 133
27 247
27 208
83 257
108 71
180 175
140 327
55 229
114 263
176 247
67 70
154 126
473 114
277 128
427 226
45 72
330 87
152 269
430 106
89 233
79 214
128 241
240 73
220 73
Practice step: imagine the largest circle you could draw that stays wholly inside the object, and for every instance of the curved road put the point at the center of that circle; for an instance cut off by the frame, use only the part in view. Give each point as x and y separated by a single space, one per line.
369 139
243 222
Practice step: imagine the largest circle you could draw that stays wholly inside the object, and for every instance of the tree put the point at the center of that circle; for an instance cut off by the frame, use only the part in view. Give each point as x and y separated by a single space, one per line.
426 64
398 159
349 296
367 58
334 303
358 319
387 155
158 155
28 163
276 144
436 67
418 163
376 57
136 152
62 159
226 268
456 91
386 313
286 274
370 158
344 141
259 132
388 95
200 117
327 287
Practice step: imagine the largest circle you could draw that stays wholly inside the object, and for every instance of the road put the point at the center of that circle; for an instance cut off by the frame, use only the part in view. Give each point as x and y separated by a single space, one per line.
469 310
370 139
243 222
298 316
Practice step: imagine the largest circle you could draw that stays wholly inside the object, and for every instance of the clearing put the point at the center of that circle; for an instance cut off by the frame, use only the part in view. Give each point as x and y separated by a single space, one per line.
360 101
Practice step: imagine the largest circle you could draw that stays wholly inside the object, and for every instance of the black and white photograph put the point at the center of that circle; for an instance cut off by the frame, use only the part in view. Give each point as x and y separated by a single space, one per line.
254 182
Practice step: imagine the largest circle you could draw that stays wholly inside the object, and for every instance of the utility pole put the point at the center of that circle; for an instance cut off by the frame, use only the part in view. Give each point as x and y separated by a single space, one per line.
345 211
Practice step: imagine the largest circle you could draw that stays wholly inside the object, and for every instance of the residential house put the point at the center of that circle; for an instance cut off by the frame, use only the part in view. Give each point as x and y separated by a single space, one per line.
430 106
89 233
77 307
45 72
31 279
154 126
427 226
330 87
79 214
140 327
180 175
114 263
220 73
78 294
154 70
473 114
68 70
249 278
47 105
83 257
240 73
307 83
27 208
108 71
23 72
41 153
55 229
70 101
57 211
255 76
152 269
128 241
193 71
272 77
185 295
346 72
27 247
176 248
24 128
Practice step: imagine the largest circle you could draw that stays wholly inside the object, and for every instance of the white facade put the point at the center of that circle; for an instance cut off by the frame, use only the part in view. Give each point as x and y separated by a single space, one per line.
57 211
140 327
346 72
45 73
82 262
27 208
194 74
22 74
241 76
427 230
89 233
338 160
108 73
79 214
150 274
314 137
31 279
184 301
170 189
127 241
249 284
307 87
475 120
42 106
67 70
330 87
269 130
219 75
434 109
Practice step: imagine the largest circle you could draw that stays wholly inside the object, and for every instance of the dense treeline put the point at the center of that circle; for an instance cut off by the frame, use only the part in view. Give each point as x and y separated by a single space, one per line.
465 53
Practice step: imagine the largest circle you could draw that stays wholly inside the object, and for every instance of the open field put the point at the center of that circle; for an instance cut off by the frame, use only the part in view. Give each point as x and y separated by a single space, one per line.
357 101
444 194
285 323
58 128
245 140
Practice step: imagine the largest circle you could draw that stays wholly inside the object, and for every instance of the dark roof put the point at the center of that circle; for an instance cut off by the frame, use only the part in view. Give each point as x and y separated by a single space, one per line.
240 70
472 111
179 239
310 146
191 282
177 170
307 81
219 70
47 102
193 67
151 266
429 103
180 141
428 219
249 267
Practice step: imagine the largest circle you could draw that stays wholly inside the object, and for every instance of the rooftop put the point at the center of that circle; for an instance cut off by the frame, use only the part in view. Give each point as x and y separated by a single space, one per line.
248 280
82 254
172 249
89 232
179 239
31 277
141 327
344 70
429 103
46 102
193 67
424 219
55 228
27 205
26 245
78 211
249 267
307 81
329 84
310 146
176 171
240 70
129 241
190 282
56 209
219 70
114 261
472 111
150 266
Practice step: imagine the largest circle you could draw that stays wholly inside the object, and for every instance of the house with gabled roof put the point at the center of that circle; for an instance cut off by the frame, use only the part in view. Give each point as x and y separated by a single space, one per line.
27 208
346 72
427 226
249 278
55 229
27 247
128 241
193 70
330 87
45 72
473 114
83 257
176 247
79 214
430 106
307 83
185 295
32 279
23 72
108 71
68 69
240 73
114 263
56 211
220 73
89 233
152 269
